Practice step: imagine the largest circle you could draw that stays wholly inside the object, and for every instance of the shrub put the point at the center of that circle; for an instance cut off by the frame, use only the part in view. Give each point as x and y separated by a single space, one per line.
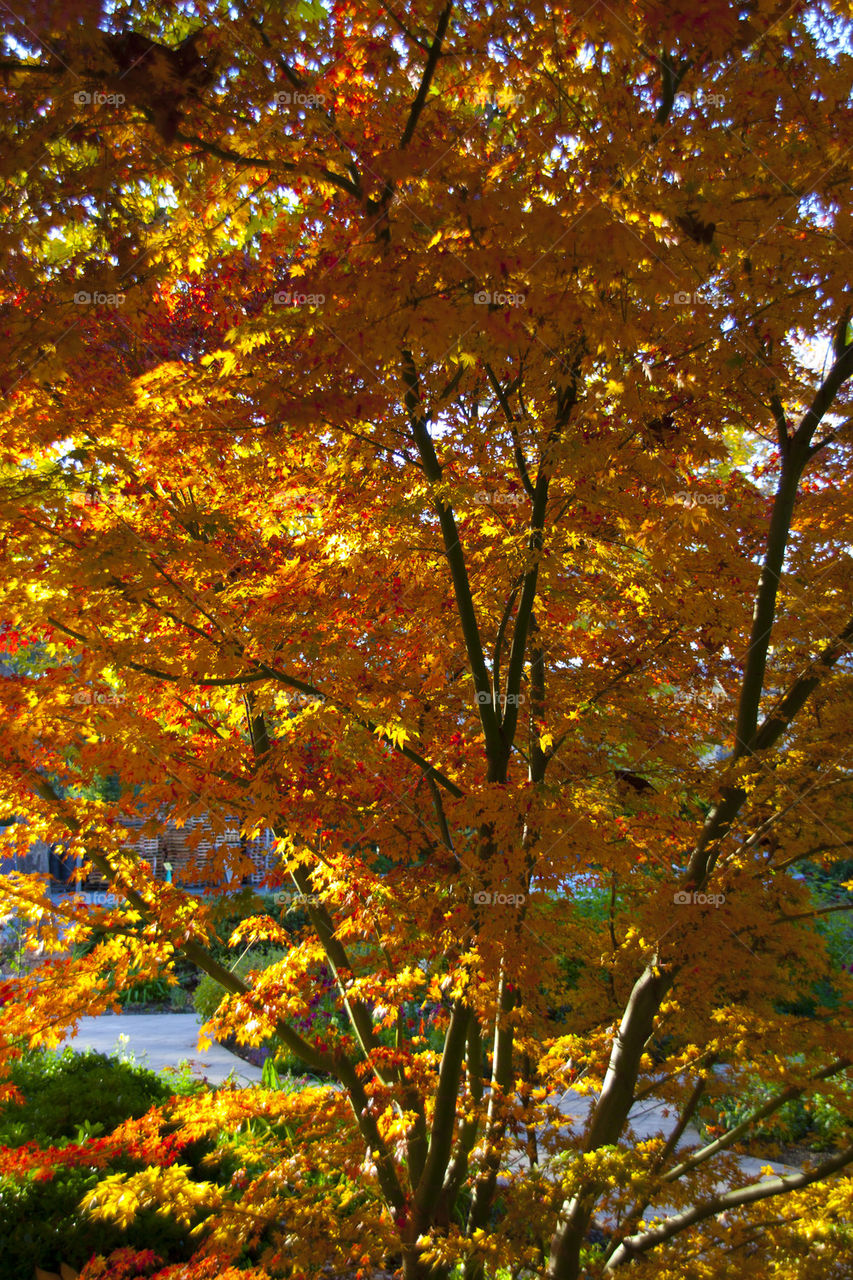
816 1121
787 1125
68 1094
831 1127
72 1096
209 994
179 998
231 910
42 1225
150 991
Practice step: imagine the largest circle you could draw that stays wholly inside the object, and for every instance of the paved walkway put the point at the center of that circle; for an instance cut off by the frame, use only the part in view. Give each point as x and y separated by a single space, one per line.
649 1119
158 1040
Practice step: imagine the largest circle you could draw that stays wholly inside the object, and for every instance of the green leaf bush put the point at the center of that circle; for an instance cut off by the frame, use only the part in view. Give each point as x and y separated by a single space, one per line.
66 1093
72 1097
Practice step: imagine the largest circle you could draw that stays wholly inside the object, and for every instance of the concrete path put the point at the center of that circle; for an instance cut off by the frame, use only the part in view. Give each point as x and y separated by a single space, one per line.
650 1119
158 1040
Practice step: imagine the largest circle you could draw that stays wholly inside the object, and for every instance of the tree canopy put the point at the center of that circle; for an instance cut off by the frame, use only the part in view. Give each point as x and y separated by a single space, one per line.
426 434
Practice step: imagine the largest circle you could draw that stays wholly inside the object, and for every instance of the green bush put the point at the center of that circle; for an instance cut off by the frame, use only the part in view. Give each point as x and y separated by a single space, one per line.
231 910
816 1122
209 994
323 1011
831 1127
414 1015
69 1094
69 1097
150 991
787 1125
179 999
826 887
589 903
42 1225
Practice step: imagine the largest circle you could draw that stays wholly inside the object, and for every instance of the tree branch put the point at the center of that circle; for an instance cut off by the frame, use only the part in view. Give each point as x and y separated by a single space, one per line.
426 78
640 1244
777 721
459 574
267 672
760 1113
660 1160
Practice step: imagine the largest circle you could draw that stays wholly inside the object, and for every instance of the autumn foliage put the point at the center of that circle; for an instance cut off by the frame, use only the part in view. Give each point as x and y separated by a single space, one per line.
426 435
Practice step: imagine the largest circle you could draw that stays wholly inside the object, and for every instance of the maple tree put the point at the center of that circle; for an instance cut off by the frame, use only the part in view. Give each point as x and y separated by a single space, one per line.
426 435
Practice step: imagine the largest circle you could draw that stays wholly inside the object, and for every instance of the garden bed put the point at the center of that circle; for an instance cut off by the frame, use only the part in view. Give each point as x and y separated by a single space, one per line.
796 1154
255 1055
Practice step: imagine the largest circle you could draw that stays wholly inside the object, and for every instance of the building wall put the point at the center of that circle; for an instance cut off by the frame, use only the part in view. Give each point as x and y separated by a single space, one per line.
170 844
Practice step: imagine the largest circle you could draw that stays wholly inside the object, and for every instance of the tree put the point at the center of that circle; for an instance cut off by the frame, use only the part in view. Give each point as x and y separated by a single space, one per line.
429 432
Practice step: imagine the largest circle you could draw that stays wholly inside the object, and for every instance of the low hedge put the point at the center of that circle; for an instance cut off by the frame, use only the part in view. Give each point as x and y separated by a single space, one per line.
72 1097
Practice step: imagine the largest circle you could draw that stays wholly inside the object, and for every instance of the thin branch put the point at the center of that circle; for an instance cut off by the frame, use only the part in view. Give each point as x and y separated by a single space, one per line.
248 677
456 560
812 915
777 721
660 1160
760 1113
426 78
192 950
503 400
781 424
671 78
640 1244
266 672
841 370
672 1075
422 44
504 622
272 166
440 814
